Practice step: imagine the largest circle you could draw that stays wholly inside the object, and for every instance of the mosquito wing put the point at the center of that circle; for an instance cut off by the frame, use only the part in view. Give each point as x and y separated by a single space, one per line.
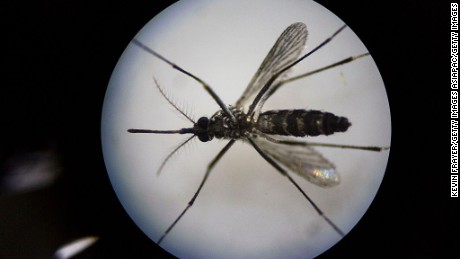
286 50
302 160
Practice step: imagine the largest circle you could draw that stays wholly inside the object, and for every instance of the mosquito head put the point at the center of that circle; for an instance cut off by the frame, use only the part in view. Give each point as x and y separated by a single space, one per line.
200 129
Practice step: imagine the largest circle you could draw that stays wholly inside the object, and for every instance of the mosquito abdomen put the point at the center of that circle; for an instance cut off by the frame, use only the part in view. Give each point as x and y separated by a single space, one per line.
300 123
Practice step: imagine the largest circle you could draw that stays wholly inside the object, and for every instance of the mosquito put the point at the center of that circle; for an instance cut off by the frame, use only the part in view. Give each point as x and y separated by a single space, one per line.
268 131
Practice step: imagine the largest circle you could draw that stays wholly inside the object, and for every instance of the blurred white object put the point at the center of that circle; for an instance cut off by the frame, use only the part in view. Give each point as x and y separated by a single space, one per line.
73 248
30 171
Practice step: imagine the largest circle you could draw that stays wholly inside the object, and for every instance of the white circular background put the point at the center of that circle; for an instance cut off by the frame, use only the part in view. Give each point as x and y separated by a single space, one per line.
246 209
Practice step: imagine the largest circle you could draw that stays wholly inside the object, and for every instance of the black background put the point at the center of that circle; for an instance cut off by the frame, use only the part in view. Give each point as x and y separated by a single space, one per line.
57 59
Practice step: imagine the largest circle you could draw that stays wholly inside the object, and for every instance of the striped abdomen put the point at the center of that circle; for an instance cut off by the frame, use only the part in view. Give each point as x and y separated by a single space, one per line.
301 122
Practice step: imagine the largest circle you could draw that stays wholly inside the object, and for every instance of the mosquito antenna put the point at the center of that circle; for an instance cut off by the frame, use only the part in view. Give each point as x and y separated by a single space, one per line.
276 75
172 153
171 102
205 86
181 131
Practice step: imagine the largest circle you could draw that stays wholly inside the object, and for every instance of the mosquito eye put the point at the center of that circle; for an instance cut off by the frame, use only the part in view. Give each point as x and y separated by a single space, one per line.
203 123
204 137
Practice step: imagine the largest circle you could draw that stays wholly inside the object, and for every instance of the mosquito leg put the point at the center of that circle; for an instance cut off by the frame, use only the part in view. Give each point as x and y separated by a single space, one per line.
368 148
205 86
272 90
283 172
190 203
339 63
317 144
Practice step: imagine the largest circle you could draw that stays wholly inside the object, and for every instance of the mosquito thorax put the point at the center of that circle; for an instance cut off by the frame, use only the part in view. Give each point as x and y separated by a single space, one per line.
223 126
